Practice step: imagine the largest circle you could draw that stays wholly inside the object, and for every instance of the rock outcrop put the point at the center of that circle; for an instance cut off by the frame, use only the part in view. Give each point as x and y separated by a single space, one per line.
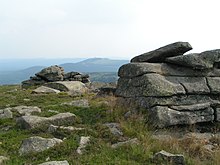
175 89
53 74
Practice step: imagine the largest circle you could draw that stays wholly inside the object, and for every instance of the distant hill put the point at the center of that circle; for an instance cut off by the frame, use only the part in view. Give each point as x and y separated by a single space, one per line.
99 69
95 65
16 77
19 64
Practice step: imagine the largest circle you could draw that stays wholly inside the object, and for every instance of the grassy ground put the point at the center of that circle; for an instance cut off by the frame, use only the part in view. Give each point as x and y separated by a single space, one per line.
99 150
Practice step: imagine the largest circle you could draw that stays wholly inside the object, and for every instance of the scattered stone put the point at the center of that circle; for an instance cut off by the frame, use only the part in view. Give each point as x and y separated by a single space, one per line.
164 157
128 142
55 163
26 110
3 159
53 128
114 129
6 113
84 103
84 140
159 55
30 122
45 90
37 144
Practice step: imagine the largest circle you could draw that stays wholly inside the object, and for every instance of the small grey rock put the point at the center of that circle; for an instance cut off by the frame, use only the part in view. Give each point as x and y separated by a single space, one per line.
6 113
114 129
30 122
55 163
53 128
164 157
131 141
45 90
26 110
37 144
84 140
78 103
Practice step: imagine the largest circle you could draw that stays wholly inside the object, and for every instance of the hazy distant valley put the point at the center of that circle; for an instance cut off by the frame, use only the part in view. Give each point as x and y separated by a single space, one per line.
99 69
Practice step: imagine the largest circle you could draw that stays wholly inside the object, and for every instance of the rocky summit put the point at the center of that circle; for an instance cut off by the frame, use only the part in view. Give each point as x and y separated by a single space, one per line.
53 74
175 89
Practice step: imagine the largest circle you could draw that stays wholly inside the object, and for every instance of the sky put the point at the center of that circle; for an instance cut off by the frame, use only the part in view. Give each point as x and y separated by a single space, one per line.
118 29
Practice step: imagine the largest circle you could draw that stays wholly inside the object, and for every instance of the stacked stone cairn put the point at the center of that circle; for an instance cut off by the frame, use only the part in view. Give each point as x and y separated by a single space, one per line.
53 74
174 88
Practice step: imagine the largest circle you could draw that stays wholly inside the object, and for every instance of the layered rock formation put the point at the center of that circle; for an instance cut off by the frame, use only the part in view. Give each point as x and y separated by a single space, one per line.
53 74
176 89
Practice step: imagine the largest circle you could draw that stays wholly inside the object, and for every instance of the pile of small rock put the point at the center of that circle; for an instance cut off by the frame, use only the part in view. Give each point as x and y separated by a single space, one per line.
53 74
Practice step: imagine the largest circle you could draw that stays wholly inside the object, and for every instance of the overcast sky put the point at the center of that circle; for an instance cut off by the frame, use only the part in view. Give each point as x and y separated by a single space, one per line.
119 29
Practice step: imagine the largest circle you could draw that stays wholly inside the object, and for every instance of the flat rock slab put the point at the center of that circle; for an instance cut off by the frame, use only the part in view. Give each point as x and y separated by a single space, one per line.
37 144
159 55
45 90
132 70
26 110
6 113
179 100
67 85
84 140
54 128
84 103
164 157
204 60
55 163
30 122
162 116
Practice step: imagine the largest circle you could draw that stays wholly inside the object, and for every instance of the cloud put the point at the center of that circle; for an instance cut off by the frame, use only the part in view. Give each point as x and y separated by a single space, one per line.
104 28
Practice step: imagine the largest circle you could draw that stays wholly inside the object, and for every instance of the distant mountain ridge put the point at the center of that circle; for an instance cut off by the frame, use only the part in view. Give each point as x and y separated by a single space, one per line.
94 65
100 66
